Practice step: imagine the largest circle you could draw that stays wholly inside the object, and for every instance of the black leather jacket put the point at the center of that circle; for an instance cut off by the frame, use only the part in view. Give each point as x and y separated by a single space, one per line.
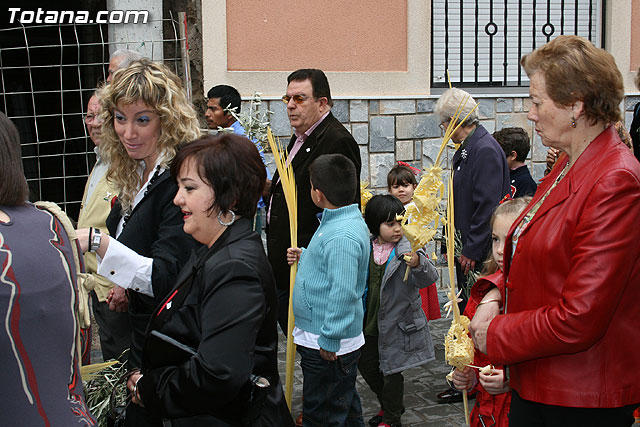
224 306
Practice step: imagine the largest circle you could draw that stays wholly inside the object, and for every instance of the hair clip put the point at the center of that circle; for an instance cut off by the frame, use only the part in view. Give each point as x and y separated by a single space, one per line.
415 171
506 198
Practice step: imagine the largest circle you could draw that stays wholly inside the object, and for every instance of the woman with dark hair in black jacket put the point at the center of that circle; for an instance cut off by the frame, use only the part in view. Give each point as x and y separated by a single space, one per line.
211 345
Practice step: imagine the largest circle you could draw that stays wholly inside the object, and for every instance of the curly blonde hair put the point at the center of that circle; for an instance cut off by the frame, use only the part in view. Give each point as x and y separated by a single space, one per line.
160 89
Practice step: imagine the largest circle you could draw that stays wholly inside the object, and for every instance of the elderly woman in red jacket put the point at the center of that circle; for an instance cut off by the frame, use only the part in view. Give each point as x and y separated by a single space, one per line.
570 330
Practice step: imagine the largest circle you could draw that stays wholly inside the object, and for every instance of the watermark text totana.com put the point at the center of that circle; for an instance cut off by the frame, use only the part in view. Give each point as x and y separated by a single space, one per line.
41 16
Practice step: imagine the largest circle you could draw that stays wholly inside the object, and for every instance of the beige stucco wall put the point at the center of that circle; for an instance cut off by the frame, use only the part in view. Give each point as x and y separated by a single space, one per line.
618 37
622 39
635 35
291 33
413 81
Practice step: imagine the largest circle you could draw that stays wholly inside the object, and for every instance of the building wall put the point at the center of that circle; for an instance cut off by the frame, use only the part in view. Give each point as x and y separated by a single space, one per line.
635 36
297 35
406 129
390 113
621 38
231 29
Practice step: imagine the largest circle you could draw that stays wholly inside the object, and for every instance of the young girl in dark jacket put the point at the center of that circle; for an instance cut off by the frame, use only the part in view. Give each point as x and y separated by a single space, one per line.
395 327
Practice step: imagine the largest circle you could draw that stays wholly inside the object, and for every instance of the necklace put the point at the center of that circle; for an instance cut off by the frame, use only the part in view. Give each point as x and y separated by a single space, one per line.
153 179
563 173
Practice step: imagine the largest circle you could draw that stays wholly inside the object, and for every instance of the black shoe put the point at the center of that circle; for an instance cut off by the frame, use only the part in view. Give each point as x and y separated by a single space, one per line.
452 396
374 421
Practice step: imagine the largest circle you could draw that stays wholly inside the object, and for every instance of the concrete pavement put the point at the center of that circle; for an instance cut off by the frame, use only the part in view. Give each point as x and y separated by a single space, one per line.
421 384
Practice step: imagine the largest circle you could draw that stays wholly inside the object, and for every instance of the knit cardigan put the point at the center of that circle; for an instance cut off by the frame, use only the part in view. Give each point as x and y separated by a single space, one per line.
332 275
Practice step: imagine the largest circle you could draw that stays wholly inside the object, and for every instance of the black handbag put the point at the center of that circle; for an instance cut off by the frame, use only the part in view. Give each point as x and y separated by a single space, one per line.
252 395
257 394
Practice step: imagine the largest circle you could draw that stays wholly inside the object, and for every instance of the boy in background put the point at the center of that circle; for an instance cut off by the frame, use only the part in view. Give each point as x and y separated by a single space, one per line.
328 296
515 144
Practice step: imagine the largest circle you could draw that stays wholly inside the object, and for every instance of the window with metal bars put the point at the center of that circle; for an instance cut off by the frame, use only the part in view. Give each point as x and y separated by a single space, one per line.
480 42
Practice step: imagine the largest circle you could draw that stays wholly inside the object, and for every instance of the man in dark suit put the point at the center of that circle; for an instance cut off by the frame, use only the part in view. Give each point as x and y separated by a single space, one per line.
317 132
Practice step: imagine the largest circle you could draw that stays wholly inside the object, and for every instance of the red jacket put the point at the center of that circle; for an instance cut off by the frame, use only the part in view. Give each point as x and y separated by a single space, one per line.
572 332
494 408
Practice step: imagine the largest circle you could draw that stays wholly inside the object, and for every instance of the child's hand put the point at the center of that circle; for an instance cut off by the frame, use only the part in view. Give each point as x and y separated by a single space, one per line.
494 382
552 156
465 379
293 255
329 356
412 259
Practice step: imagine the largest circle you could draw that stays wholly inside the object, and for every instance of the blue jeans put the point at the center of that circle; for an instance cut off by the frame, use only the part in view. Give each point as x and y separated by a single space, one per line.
329 390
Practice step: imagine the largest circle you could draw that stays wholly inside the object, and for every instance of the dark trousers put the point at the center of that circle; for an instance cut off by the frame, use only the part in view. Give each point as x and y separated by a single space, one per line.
114 329
329 390
461 281
388 388
283 309
525 413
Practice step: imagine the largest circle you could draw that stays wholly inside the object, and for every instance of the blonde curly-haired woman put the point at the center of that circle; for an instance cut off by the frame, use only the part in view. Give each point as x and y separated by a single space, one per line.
146 117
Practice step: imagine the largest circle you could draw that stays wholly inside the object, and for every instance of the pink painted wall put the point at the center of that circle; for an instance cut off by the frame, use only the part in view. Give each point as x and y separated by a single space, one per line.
334 35
635 36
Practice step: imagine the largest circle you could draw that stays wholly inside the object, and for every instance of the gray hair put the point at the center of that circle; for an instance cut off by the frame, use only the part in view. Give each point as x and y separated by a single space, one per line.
451 100
129 57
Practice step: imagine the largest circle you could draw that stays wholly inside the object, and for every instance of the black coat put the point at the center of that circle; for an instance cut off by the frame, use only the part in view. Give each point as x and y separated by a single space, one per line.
330 137
634 131
480 181
224 305
154 230
522 183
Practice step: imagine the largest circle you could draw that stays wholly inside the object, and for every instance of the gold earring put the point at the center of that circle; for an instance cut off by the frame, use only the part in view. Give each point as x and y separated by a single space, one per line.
573 122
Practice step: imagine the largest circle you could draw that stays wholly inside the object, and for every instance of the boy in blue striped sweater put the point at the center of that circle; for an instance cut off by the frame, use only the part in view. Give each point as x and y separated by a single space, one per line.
327 297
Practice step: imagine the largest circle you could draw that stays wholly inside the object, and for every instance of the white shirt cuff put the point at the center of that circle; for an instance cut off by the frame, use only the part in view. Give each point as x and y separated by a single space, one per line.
126 268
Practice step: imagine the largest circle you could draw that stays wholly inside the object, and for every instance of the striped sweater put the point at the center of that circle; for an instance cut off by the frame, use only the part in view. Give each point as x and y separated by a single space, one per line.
332 274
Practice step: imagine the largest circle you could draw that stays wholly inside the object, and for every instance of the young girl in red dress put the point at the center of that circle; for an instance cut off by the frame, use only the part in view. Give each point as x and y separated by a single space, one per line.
493 397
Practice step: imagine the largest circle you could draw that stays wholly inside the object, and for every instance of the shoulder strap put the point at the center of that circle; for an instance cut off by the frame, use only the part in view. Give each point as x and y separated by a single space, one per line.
82 315
181 290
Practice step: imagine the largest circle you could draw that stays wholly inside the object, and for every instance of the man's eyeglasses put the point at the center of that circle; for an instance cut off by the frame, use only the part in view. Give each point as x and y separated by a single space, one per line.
298 99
